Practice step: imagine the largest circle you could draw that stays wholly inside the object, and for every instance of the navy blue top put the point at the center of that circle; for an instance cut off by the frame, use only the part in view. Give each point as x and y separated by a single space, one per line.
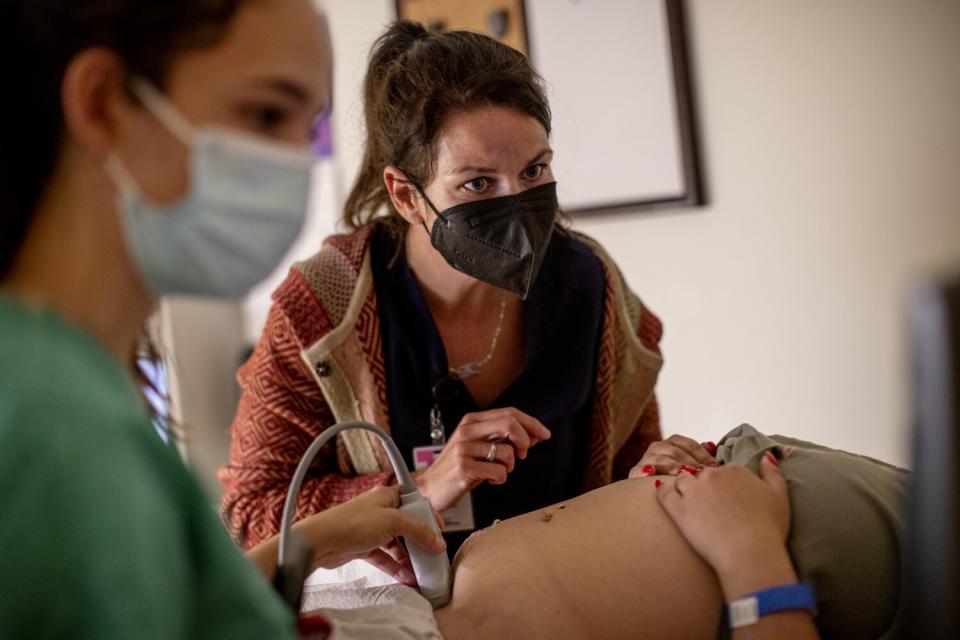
564 316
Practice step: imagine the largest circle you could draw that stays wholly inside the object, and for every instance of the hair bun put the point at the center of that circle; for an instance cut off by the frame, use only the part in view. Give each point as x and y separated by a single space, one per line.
397 40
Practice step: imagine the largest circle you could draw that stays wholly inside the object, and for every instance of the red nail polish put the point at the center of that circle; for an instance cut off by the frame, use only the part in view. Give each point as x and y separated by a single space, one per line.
649 470
711 447
688 469
658 484
772 458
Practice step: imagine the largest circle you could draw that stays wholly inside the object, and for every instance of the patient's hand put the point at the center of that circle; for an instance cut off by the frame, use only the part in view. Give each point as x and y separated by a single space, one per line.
670 455
736 521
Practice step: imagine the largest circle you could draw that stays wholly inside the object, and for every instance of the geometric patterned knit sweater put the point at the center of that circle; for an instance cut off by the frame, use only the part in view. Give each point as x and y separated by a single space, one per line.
319 361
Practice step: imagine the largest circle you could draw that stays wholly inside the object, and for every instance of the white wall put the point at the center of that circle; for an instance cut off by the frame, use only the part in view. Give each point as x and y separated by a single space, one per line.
831 141
202 341
354 25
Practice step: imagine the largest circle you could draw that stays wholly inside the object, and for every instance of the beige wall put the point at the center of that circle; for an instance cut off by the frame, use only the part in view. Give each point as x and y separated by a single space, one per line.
831 139
831 142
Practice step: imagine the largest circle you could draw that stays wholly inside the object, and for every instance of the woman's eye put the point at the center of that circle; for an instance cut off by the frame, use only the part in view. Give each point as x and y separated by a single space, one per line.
533 172
266 118
477 184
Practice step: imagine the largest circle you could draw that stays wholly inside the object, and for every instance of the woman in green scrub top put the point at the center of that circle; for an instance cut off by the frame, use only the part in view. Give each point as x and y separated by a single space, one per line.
150 147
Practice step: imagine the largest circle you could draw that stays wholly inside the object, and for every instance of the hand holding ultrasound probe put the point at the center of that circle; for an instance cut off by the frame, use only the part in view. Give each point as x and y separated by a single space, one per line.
431 569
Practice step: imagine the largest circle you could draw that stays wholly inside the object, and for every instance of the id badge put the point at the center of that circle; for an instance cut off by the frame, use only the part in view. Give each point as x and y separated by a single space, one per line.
459 517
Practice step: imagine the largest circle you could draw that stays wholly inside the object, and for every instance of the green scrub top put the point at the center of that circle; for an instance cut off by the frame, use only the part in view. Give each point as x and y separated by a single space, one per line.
103 532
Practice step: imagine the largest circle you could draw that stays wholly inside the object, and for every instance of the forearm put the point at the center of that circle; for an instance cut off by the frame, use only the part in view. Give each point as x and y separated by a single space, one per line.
763 570
321 536
796 625
264 555
253 509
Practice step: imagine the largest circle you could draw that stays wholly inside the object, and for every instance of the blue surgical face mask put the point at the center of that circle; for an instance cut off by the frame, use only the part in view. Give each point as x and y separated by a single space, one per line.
245 205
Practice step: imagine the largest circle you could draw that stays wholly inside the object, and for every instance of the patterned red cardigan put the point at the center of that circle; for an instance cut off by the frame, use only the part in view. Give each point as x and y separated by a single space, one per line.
319 361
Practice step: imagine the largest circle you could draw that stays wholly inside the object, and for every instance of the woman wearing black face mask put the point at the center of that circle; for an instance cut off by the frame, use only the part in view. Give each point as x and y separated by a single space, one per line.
505 353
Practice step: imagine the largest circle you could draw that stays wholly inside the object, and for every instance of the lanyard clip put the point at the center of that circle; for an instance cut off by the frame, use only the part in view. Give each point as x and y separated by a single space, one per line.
437 435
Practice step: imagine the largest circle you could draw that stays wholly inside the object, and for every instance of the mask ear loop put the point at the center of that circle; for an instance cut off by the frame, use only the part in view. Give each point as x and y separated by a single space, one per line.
163 110
123 180
168 115
423 194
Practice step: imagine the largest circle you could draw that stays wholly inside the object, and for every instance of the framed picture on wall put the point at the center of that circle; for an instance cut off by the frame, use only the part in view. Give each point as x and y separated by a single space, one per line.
618 80
504 20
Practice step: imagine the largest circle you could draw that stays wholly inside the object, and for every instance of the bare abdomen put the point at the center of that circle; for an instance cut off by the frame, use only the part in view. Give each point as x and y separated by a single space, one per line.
608 564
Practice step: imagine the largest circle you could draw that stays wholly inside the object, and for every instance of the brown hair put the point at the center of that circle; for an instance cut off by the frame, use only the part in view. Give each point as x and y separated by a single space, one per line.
38 39
415 80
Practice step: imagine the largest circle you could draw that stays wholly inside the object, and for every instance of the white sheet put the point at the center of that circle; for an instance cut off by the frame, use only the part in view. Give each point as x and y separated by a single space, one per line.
362 602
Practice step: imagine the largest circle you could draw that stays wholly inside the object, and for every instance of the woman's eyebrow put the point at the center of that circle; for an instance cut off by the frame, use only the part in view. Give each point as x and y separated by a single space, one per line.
290 88
475 169
472 169
540 156
295 91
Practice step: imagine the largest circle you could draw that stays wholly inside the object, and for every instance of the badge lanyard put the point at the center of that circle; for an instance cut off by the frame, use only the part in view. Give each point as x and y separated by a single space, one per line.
459 517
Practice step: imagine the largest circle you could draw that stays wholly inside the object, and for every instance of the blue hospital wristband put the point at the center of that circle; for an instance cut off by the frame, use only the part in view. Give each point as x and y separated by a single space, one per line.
746 611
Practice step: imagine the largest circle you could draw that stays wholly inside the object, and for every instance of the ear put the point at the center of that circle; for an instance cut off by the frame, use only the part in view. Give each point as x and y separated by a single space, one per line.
404 195
93 99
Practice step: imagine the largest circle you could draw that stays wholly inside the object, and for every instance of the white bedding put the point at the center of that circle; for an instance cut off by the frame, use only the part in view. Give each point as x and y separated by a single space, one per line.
361 601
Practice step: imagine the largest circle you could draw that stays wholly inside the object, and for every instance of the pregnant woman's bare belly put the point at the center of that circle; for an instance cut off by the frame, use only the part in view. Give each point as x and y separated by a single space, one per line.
608 564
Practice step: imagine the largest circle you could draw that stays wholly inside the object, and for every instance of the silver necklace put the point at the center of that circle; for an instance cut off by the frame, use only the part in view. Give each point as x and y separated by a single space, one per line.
471 369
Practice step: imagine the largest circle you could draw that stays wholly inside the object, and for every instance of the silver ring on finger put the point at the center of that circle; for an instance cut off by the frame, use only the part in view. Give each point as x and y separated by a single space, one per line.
492 454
